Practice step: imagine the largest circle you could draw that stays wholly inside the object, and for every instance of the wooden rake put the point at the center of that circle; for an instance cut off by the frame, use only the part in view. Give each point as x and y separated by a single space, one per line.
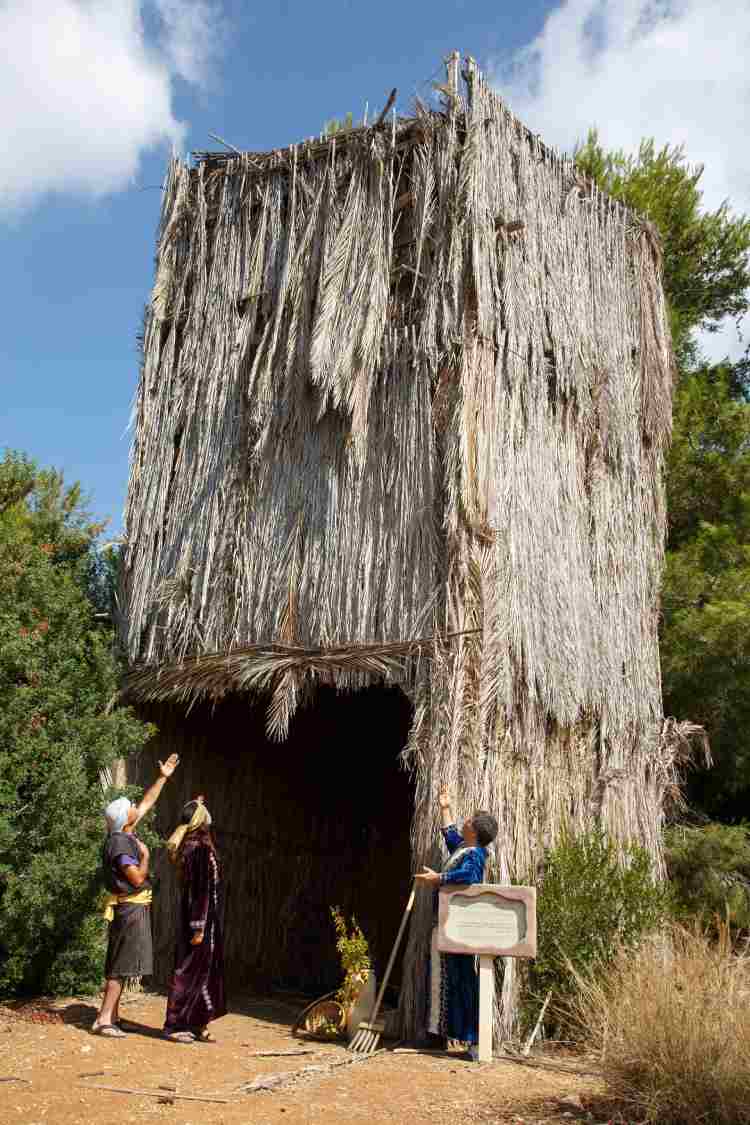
367 1037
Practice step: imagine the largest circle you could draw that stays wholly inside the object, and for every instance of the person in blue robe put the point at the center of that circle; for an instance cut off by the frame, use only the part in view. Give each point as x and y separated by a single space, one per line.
454 984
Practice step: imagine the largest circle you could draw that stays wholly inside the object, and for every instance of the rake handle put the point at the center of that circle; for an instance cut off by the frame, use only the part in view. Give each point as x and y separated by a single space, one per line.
392 958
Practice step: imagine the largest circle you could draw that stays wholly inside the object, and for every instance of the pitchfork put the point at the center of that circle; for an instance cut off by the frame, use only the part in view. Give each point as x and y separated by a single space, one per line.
367 1037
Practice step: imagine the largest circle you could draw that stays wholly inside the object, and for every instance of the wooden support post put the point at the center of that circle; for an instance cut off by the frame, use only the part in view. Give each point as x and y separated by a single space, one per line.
470 77
486 1006
452 64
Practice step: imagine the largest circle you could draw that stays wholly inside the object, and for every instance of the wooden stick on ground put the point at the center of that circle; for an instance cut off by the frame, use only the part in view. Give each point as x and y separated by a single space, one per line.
275 1081
280 1054
168 1098
530 1041
155 1093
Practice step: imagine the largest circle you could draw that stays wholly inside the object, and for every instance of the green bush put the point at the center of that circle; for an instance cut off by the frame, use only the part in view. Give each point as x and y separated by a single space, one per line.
709 868
590 904
58 675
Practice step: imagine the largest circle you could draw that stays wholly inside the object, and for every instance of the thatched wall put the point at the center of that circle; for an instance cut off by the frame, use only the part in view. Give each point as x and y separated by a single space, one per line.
416 380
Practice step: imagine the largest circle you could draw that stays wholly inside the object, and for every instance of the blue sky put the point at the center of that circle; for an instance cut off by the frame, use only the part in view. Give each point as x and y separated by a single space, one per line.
110 85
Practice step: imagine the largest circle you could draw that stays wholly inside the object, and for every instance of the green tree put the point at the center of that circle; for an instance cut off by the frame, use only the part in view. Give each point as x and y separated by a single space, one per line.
706 262
709 868
58 676
705 640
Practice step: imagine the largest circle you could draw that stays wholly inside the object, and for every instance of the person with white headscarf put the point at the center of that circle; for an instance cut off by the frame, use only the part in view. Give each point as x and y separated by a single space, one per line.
127 909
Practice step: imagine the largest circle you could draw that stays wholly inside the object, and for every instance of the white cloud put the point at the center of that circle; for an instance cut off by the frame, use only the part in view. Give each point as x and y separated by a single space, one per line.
675 70
84 91
192 34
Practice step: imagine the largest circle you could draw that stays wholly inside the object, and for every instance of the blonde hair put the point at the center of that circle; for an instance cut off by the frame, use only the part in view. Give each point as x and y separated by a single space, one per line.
201 818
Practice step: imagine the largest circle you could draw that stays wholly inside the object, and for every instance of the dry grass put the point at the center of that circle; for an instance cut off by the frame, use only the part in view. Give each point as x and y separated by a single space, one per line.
672 1024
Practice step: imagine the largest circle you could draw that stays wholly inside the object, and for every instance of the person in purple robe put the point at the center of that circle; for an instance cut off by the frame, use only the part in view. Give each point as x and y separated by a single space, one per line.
196 991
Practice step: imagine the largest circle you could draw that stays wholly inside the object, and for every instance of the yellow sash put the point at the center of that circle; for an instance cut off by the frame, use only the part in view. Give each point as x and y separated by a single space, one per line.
139 898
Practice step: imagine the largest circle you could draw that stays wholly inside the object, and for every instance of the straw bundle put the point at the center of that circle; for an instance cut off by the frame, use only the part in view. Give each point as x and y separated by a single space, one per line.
415 380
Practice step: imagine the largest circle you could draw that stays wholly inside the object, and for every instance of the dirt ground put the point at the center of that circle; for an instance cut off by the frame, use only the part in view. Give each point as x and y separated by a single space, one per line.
51 1066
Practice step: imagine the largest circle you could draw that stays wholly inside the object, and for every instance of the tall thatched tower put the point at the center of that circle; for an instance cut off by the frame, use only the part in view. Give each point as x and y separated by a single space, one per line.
412 383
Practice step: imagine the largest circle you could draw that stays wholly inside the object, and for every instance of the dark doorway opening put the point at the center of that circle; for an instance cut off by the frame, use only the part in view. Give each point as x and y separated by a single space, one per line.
320 820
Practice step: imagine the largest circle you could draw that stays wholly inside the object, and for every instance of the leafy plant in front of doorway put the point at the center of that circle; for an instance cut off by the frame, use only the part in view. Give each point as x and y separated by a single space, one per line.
354 955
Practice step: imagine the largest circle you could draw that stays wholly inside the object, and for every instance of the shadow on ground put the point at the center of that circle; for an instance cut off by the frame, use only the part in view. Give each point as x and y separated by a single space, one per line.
281 1011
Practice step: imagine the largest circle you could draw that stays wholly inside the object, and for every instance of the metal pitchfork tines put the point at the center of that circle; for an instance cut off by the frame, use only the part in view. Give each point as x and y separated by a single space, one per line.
367 1037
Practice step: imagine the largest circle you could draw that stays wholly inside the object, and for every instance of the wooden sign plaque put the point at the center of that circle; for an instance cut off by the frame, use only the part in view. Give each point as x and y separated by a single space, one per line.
488 920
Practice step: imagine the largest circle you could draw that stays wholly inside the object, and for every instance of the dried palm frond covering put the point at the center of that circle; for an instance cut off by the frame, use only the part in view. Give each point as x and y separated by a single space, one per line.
268 668
416 379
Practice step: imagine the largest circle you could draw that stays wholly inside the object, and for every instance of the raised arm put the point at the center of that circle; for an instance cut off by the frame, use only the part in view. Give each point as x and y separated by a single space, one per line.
446 813
451 835
151 796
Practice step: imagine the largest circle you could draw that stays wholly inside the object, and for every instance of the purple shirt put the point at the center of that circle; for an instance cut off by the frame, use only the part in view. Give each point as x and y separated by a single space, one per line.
127 861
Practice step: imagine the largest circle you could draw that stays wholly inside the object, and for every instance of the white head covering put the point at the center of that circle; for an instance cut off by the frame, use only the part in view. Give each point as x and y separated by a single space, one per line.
116 813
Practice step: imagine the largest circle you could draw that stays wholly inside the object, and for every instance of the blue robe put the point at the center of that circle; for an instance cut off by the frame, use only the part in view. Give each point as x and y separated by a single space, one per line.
454 985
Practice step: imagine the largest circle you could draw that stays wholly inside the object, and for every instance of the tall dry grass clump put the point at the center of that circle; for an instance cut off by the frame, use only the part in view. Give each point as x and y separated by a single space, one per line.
672 1024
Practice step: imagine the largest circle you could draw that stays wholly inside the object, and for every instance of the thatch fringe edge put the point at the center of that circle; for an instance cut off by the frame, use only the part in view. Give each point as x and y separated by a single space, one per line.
283 670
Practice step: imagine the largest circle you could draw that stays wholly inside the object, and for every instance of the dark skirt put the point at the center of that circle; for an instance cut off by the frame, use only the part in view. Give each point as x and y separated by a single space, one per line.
454 995
130 951
196 990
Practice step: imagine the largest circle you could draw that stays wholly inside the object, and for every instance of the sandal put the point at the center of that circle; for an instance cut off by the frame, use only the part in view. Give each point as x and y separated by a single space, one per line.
108 1030
179 1036
204 1036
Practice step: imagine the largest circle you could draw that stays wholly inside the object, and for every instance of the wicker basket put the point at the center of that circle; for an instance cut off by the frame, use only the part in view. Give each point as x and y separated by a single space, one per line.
324 1020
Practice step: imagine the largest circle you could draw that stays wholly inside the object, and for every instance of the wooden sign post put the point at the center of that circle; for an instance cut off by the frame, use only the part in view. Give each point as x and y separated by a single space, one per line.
488 921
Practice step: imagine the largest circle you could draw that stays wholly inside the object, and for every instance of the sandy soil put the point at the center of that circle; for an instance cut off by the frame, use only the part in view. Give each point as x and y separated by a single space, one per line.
50 1066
